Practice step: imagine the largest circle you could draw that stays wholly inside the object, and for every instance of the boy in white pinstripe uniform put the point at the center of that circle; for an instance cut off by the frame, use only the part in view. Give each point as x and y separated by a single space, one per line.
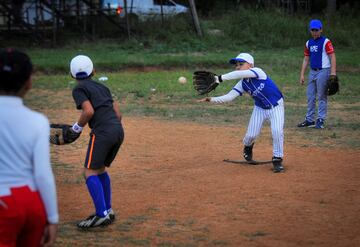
269 105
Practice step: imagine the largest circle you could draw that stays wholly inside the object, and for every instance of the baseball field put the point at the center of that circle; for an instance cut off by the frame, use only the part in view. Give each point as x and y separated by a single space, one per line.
170 184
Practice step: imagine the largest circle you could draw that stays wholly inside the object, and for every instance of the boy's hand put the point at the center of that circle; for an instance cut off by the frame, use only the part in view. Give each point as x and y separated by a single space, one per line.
302 80
49 236
207 99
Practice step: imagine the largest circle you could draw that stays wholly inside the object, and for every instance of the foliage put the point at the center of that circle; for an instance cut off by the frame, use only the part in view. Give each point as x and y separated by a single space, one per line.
232 30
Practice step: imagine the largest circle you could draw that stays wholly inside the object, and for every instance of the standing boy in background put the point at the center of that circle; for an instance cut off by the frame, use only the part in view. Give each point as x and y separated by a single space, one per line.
319 52
28 204
101 112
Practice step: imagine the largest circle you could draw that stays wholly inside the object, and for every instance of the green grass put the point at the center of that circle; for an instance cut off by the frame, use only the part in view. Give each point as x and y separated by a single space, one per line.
284 62
176 102
143 71
132 82
156 93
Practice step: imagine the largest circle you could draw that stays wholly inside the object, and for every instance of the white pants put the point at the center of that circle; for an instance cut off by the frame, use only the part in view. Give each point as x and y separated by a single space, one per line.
276 117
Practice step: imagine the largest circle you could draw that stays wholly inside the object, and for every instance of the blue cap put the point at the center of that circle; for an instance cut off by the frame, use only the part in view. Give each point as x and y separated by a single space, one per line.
315 24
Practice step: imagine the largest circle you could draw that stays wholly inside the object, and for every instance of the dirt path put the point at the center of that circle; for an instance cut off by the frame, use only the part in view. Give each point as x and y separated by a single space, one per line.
171 188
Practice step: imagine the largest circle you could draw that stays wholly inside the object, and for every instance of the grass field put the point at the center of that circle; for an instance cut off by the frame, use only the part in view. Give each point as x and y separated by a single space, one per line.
170 186
168 190
154 91
170 193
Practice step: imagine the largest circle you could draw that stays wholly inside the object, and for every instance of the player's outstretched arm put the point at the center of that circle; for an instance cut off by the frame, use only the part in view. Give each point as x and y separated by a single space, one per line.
221 99
239 74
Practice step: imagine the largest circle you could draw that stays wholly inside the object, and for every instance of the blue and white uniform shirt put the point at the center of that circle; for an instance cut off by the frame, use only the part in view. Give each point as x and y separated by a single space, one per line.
319 50
261 88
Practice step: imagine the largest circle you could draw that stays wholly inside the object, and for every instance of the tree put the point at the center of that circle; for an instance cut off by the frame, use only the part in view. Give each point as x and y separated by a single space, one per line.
330 7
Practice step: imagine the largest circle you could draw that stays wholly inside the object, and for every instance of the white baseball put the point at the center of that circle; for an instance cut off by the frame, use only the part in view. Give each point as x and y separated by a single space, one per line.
103 78
182 80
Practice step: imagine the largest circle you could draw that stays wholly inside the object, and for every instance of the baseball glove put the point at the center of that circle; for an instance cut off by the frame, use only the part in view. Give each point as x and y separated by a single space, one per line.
61 134
333 85
205 81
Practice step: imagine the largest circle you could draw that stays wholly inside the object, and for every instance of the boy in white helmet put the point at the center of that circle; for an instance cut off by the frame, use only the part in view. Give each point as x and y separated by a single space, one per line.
269 105
102 114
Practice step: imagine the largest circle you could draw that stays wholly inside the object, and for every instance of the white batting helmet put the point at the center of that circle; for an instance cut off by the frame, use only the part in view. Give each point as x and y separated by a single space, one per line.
81 67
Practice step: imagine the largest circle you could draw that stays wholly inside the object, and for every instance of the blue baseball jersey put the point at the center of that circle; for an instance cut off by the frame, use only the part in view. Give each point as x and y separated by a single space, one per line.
262 89
318 51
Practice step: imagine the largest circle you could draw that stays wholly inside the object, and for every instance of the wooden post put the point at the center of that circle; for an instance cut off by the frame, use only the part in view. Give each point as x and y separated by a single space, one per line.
127 19
162 13
195 18
330 11
53 9
93 18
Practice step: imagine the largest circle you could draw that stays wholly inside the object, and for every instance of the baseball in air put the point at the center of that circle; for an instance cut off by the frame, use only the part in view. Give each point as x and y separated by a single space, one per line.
103 78
182 80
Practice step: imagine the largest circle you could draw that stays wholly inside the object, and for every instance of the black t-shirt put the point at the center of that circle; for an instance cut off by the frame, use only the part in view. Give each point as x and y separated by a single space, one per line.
101 100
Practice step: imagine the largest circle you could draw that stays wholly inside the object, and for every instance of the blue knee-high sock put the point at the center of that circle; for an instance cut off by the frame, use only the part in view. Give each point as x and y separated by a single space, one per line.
106 184
97 194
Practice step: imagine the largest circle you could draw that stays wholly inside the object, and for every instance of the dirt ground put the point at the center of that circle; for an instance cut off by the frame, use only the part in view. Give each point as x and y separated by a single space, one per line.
172 188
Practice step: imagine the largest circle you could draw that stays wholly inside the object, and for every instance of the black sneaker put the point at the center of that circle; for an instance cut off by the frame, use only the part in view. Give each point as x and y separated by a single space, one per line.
306 124
277 164
248 152
320 124
94 221
110 213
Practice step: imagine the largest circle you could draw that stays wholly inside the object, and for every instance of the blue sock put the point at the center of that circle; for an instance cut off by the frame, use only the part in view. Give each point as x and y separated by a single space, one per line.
106 184
97 194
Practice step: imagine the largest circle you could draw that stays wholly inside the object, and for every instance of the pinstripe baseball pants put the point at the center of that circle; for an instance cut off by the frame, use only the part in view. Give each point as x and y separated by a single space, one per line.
276 117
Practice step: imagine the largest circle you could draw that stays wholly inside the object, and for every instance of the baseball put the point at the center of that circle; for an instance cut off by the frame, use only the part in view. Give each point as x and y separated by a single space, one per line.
103 78
182 80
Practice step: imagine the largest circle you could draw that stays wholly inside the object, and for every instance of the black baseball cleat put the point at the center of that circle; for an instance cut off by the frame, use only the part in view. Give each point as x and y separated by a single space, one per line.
320 124
277 164
306 123
110 213
248 153
94 221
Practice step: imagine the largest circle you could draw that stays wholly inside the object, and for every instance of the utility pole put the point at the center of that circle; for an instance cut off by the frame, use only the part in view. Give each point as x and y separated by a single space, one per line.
127 19
195 18
331 7
54 19
330 11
